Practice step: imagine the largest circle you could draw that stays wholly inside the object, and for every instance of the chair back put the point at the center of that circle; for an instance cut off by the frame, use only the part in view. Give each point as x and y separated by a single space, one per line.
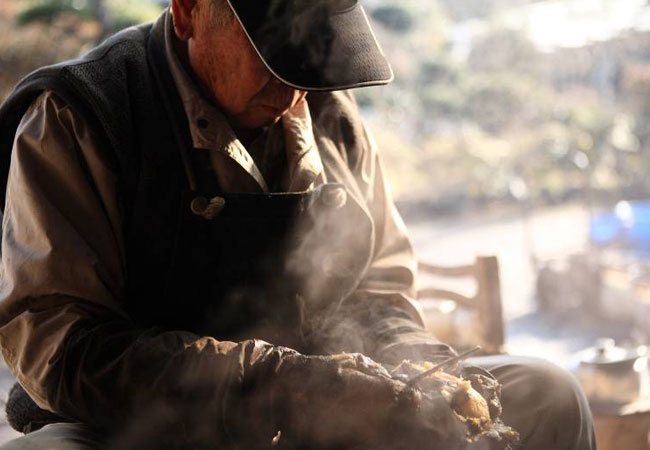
485 304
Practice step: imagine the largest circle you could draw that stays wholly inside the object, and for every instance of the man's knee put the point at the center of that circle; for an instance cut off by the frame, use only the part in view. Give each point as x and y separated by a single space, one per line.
57 436
544 403
541 385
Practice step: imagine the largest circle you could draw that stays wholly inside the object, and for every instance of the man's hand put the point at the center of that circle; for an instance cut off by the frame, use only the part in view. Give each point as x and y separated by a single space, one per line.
350 401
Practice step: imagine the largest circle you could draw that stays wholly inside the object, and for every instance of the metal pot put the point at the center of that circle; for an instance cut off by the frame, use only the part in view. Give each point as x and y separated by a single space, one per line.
611 374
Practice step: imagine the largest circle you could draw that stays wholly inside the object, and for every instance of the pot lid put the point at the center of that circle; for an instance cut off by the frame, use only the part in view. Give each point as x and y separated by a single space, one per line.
605 351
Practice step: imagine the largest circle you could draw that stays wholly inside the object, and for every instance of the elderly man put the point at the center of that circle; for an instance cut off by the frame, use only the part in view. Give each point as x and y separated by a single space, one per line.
184 227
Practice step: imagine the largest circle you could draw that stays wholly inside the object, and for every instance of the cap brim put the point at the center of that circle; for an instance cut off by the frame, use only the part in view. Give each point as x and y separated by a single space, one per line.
314 45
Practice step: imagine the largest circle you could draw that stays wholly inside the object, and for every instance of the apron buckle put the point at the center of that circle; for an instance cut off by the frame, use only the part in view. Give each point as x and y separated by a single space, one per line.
208 209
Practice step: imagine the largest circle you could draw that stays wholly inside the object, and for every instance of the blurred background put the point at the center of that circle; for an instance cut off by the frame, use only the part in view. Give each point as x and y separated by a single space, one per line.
514 128
520 129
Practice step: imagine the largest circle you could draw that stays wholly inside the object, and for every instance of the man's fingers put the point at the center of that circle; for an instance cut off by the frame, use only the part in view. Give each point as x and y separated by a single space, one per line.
361 363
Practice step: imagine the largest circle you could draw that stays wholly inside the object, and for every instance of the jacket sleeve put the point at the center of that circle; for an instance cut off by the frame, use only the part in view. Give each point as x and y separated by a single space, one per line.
385 303
63 329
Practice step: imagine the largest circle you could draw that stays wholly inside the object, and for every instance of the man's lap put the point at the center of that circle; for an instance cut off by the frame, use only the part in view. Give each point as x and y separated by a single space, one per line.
543 402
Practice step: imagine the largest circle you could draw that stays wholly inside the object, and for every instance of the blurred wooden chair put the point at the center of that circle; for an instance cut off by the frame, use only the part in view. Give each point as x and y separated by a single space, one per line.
484 306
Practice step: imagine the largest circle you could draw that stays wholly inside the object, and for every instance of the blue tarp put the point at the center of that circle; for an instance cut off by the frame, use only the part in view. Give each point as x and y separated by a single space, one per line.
627 227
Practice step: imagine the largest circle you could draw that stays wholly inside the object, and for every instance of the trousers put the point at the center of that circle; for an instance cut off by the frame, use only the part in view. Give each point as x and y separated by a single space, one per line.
543 402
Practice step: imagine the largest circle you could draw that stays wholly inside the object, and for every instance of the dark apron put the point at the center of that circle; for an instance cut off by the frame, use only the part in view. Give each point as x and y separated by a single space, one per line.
261 266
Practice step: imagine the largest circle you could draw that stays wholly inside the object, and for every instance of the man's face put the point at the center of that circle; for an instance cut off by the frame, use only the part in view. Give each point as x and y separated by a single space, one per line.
232 73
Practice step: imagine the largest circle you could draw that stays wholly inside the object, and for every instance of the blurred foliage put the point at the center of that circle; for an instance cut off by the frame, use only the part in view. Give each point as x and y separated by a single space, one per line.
504 50
50 10
130 12
42 32
122 13
494 119
394 18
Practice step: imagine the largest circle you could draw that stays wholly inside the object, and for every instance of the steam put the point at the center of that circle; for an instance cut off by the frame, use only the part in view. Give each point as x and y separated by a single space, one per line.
333 251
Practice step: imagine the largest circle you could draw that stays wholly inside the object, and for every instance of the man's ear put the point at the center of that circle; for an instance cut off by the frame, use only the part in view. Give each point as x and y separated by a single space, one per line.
182 14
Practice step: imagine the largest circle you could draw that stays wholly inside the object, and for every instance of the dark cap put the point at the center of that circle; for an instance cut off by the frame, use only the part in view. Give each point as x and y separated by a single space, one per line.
314 45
